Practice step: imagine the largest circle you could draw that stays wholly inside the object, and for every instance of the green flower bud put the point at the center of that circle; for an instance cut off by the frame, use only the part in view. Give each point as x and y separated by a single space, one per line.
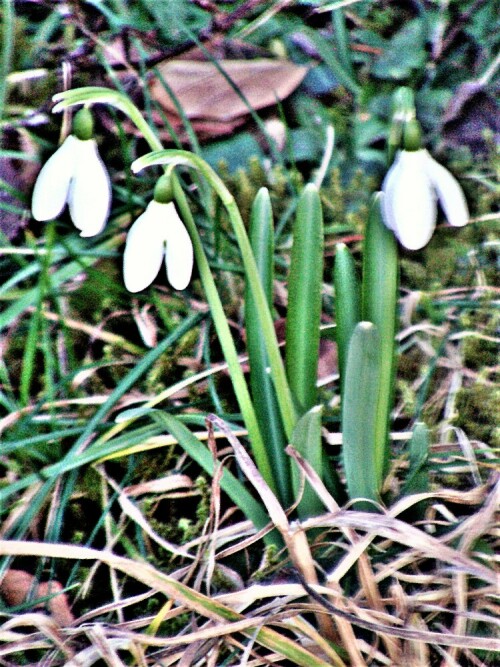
412 136
83 124
163 190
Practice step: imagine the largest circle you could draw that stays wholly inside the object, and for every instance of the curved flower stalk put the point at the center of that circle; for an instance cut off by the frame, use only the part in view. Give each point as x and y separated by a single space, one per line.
75 175
157 234
173 158
411 188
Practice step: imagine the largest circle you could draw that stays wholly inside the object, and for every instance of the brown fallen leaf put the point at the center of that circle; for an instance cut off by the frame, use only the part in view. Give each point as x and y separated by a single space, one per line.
17 585
204 129
204 92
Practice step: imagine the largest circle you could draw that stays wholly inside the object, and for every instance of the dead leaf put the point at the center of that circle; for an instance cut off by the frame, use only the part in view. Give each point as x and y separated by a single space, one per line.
204 92
17 586
472 111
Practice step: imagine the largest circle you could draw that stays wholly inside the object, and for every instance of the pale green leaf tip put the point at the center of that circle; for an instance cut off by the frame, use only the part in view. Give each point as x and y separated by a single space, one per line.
137 165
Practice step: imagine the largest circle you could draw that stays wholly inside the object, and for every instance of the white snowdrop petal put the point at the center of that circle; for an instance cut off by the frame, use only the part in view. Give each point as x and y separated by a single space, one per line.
52 185
388 186
89 196
179 253
409 203
144 248
449 192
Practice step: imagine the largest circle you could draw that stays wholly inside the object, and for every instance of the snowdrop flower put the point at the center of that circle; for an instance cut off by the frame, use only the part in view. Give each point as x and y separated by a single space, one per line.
157 234
75 175
411 188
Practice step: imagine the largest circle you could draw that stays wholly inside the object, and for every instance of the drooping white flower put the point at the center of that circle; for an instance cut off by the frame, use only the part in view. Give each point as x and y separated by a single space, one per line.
157 233
74 175
411 188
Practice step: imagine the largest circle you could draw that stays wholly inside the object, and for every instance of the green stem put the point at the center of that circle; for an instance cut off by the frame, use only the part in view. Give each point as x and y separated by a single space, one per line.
226 340
97 95
7 50
178 157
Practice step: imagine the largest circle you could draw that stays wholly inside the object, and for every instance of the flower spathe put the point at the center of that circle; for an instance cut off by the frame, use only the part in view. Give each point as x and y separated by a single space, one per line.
411 188
74 175
157 234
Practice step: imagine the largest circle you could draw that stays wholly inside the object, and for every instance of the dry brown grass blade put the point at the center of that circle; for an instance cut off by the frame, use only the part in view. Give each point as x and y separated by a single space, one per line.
46 626
399 531
482 520
167 484
295 540
432 638
183 595
134 513
356 554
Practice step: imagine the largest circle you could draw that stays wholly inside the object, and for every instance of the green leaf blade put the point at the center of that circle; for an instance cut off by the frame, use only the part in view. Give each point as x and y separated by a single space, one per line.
359 413
304 300
261 385
347 303
306 439
379 305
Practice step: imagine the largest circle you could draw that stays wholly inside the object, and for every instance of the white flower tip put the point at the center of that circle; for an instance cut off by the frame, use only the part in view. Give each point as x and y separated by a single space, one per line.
89 234
89 196
52 184
408 201
132 287
144 248
410 189
449 192
180 281
179 254
456 210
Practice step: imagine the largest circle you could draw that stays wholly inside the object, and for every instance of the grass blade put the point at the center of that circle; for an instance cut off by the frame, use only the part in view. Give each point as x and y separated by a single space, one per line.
337 67
7 50
341 36
192 600
253 509
417 480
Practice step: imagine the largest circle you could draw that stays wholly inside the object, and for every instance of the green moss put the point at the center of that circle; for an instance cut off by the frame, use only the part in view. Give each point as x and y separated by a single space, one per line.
478 413
478 353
